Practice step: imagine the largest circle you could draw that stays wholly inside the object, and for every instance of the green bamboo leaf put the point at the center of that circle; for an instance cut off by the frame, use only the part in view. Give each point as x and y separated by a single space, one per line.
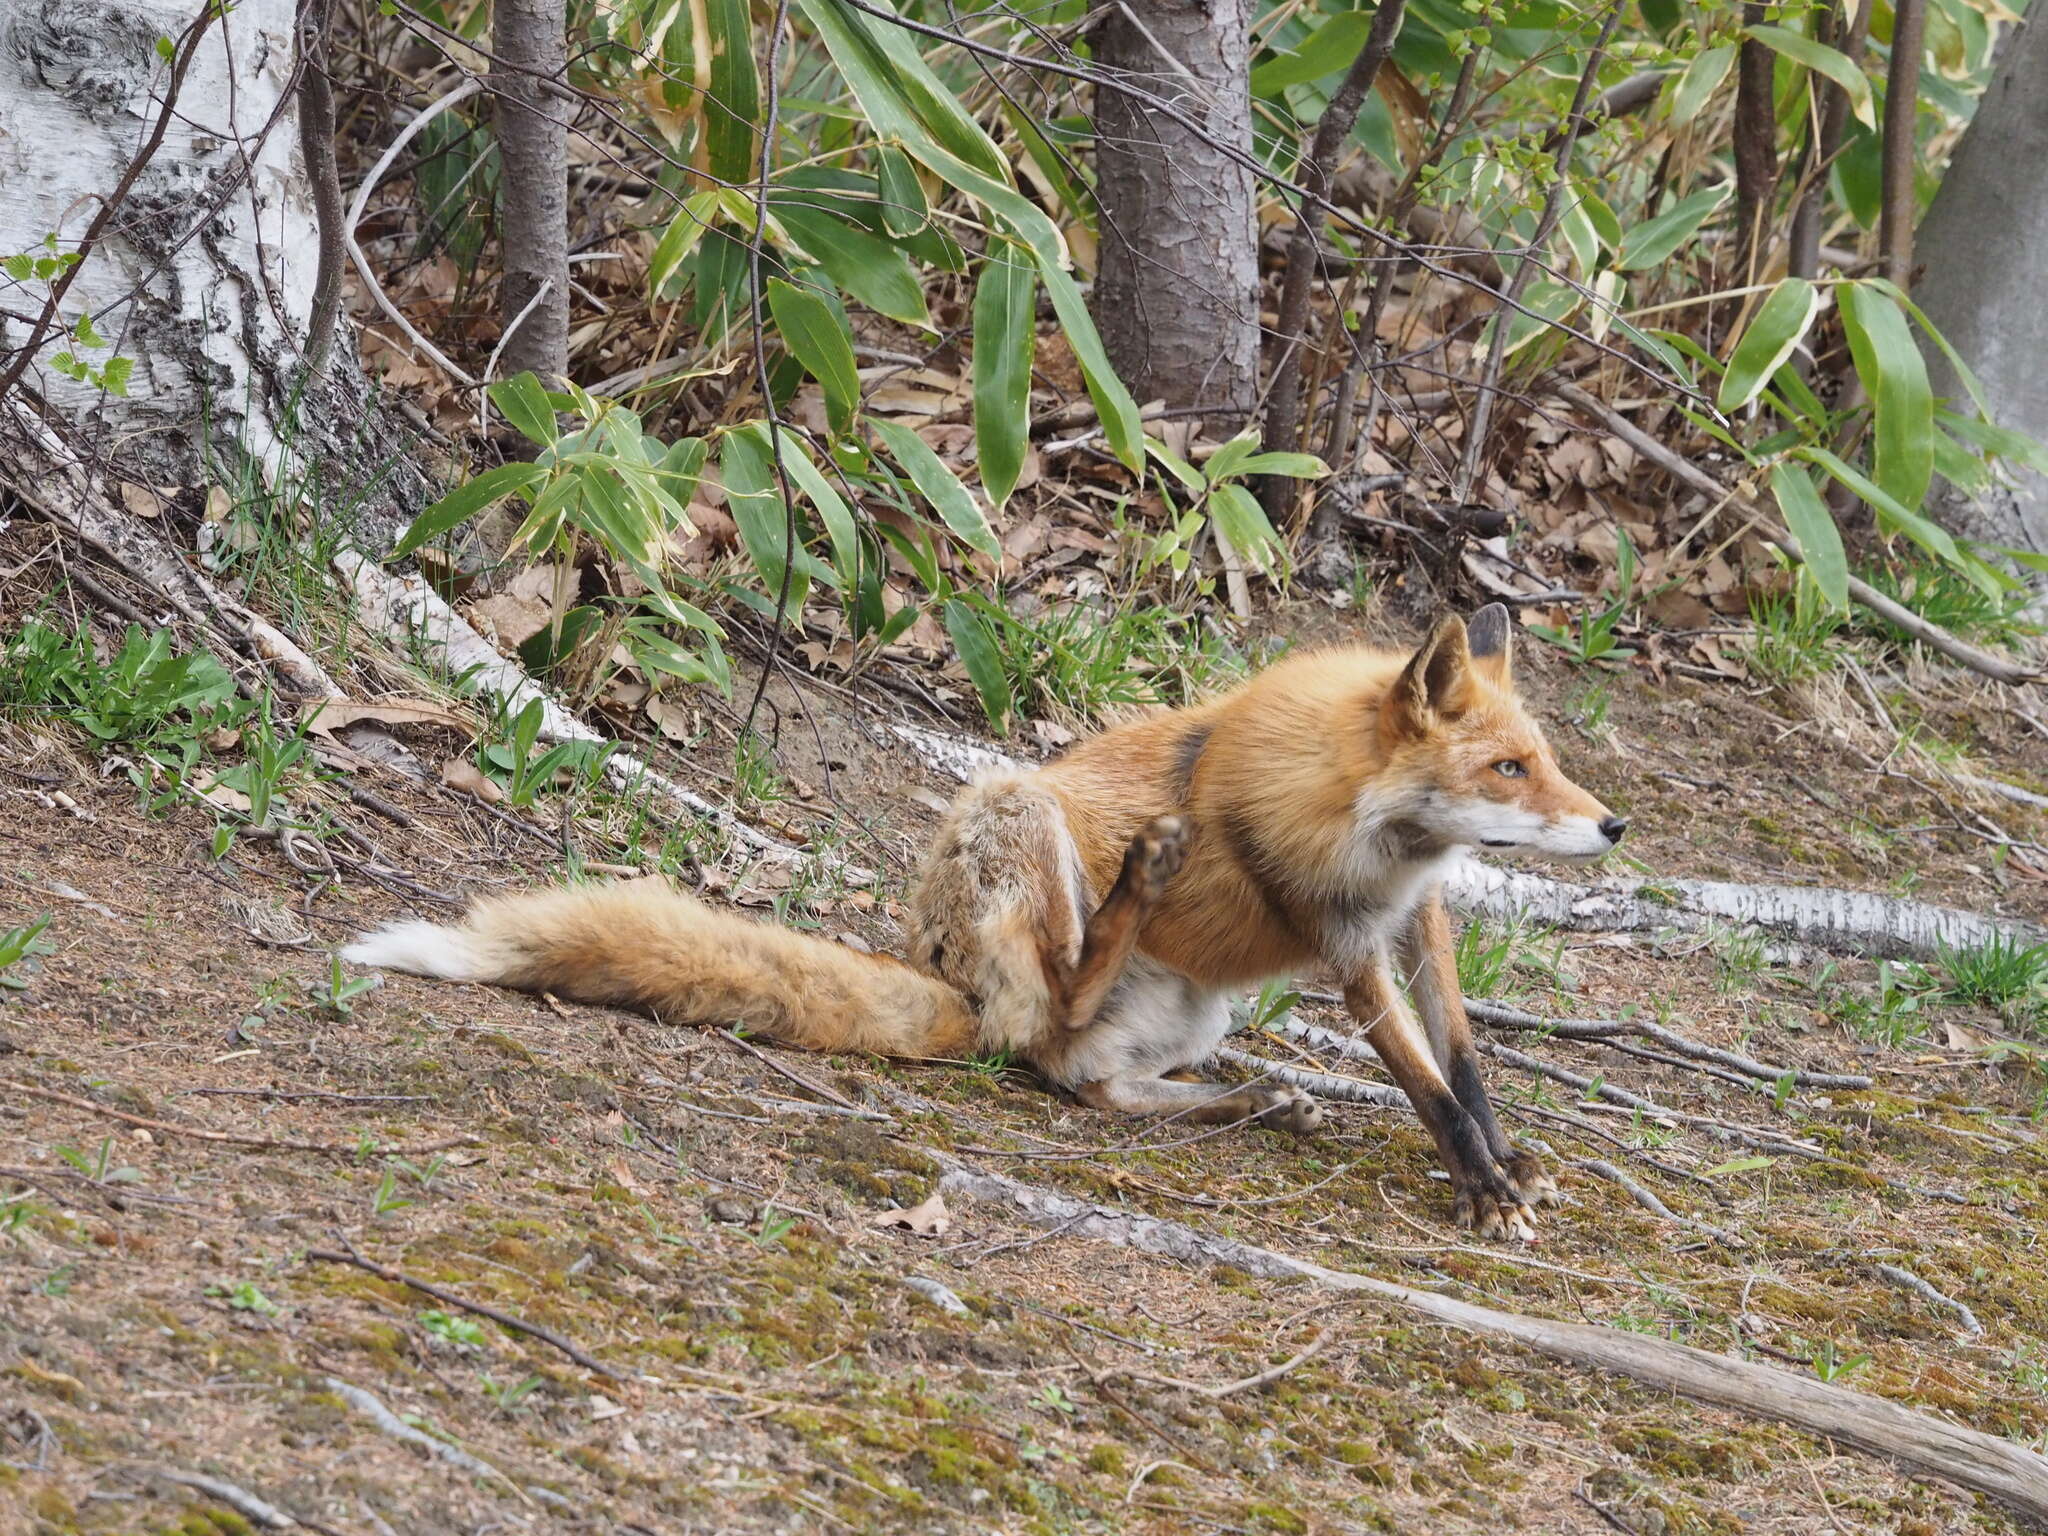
465 501
1002 367
868 268
521 401
1822 59
938 485
1240 519
983 661
681 237
746 468
879 59
824 499
1894 374
820 341
904 211
1779 325
1820 542
1701 79
1650 243
734 105
1893 516
1330 47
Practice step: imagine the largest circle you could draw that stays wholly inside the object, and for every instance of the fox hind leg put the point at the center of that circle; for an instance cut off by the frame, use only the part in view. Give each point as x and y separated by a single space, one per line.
1153 859
1200 1103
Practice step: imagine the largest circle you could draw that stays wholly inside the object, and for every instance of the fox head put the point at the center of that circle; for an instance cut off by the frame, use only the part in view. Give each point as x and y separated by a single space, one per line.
1476 769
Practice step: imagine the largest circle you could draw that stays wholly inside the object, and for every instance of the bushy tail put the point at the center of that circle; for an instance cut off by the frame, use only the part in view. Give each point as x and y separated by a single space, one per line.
643 944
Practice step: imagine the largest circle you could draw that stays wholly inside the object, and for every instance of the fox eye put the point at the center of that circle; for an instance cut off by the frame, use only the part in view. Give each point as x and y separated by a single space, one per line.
1511 768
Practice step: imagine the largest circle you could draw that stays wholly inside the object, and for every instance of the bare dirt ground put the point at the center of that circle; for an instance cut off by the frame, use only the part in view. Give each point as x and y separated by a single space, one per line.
713 1331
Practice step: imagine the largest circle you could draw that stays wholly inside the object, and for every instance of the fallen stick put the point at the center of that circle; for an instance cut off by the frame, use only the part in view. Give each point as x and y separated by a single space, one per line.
392 1425
1504 1016
1325 1085
1231 1388
230 1138
1918 1442
456 1299
1600 1168
240 1500
1906 1280
407 610
1859 922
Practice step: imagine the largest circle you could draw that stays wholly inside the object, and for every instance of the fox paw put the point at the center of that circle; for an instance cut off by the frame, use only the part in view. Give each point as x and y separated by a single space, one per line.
1494 1210
1289 1110
1156 855
1528 1178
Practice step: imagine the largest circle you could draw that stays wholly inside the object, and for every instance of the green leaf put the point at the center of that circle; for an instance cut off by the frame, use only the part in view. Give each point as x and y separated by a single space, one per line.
938 485
904 210
1991 438
1699 82
115 375
1808 520
983 661
869 268
1822 59
1892 515
746 467
1650 243
1114 406
1239 518
1894 375
1002 367
681 237
821 342
465 501
522 401
1295 466
1330 47
1779 325
21 267
734 103
830 506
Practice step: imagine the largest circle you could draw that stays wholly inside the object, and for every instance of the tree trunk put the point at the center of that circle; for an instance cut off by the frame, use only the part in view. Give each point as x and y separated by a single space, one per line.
1980 245
531 43
203 274
1176 295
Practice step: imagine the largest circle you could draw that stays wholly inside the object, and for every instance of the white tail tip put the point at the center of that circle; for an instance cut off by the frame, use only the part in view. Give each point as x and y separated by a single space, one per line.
425 949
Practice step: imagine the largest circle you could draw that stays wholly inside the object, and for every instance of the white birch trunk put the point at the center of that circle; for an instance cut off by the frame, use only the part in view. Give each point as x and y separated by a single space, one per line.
205 275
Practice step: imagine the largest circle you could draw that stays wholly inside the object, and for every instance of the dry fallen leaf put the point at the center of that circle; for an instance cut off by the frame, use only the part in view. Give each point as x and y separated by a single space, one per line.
623 1176
524 608
1960 1037
225 796
461 773
928 1218
338 714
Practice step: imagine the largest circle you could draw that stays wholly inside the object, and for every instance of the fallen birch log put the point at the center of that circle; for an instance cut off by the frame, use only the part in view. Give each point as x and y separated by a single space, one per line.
407 610
1918 1442
1856 922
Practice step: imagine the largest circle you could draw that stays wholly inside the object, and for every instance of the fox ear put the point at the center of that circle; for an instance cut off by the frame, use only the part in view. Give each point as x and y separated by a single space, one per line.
1433 683
1490 634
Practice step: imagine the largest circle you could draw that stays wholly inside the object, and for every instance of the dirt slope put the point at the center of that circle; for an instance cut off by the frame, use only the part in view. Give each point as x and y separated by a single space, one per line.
209 1139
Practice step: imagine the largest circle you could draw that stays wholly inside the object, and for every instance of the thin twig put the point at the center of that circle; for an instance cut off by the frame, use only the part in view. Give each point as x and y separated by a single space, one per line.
456 1299
1231 1388
229 1138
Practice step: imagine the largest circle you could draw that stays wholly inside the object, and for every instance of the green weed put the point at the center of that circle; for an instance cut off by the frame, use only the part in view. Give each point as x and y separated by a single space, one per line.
20 945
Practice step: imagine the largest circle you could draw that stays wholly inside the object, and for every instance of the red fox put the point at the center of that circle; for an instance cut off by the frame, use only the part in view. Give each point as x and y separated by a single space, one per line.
1093 916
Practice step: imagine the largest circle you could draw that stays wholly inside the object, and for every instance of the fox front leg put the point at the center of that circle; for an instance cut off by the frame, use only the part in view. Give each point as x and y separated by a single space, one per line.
1485 1201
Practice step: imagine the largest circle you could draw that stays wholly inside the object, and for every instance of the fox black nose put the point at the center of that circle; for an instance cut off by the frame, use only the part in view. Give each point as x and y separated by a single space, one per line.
1613 827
